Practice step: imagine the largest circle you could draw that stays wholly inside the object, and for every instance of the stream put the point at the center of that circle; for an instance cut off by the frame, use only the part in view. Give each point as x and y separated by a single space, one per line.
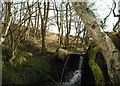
77 70
75 77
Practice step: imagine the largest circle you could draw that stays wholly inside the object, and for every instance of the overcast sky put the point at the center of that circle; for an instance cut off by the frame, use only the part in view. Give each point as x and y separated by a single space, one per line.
103 9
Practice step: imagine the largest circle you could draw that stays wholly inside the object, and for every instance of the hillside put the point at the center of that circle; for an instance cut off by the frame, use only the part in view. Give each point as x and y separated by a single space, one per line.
30 65
31 55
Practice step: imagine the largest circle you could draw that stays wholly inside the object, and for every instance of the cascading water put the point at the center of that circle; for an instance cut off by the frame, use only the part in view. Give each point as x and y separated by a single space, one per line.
76 75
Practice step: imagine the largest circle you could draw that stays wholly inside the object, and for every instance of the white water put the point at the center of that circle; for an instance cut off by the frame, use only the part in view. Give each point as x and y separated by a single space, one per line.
76 75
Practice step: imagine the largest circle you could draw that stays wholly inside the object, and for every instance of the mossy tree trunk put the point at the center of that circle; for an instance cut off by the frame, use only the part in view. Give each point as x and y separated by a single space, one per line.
99 78
105 44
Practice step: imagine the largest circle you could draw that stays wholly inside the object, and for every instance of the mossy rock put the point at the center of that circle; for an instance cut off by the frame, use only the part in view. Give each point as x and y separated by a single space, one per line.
62 53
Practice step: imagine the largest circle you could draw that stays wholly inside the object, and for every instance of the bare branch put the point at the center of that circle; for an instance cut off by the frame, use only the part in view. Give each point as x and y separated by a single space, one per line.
114 10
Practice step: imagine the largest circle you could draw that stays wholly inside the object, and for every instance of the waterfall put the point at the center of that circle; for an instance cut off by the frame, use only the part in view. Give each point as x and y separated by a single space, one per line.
76 76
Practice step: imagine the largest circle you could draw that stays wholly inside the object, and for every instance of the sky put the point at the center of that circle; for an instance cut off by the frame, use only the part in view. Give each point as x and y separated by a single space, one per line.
103 9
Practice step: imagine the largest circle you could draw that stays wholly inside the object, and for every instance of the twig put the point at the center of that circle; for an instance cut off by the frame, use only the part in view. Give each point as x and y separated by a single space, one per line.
57 75
115 26
104 21
52 79
64 69
21 23
107 15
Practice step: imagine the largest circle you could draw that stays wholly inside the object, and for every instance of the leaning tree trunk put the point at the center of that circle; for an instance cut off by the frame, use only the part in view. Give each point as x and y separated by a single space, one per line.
99 78
105 44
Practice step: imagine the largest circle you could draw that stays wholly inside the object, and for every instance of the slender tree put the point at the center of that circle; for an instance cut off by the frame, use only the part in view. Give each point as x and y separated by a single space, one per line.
7 21
59 21
68 23
44 20
17 33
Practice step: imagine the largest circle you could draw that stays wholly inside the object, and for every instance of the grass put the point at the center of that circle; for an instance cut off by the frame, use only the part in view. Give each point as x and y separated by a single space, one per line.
28 67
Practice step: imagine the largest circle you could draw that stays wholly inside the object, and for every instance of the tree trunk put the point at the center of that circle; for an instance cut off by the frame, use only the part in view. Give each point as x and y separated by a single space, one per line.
68 25
16 37
43 32
61 24
105 44
44 21
8 19
99 78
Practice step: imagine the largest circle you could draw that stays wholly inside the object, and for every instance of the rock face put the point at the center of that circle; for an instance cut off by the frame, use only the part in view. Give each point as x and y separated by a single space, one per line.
72 65
62 54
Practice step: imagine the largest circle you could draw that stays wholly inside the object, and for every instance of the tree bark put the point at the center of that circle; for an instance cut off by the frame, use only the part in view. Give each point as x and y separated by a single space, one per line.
105 44
59 22
68 24
44 20
99 78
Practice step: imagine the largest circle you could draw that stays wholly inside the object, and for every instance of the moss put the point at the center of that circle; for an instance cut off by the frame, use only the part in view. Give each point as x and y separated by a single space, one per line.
62 53
10 77
36 71
114 33
99 78
28 46
76 46
25 70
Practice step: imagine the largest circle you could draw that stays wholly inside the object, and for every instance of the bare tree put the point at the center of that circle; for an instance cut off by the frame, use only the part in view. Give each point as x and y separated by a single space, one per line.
68 23
7 22
59 21
44 20
16 32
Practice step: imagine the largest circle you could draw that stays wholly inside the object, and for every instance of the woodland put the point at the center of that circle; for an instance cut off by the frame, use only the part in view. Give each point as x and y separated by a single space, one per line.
30 54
